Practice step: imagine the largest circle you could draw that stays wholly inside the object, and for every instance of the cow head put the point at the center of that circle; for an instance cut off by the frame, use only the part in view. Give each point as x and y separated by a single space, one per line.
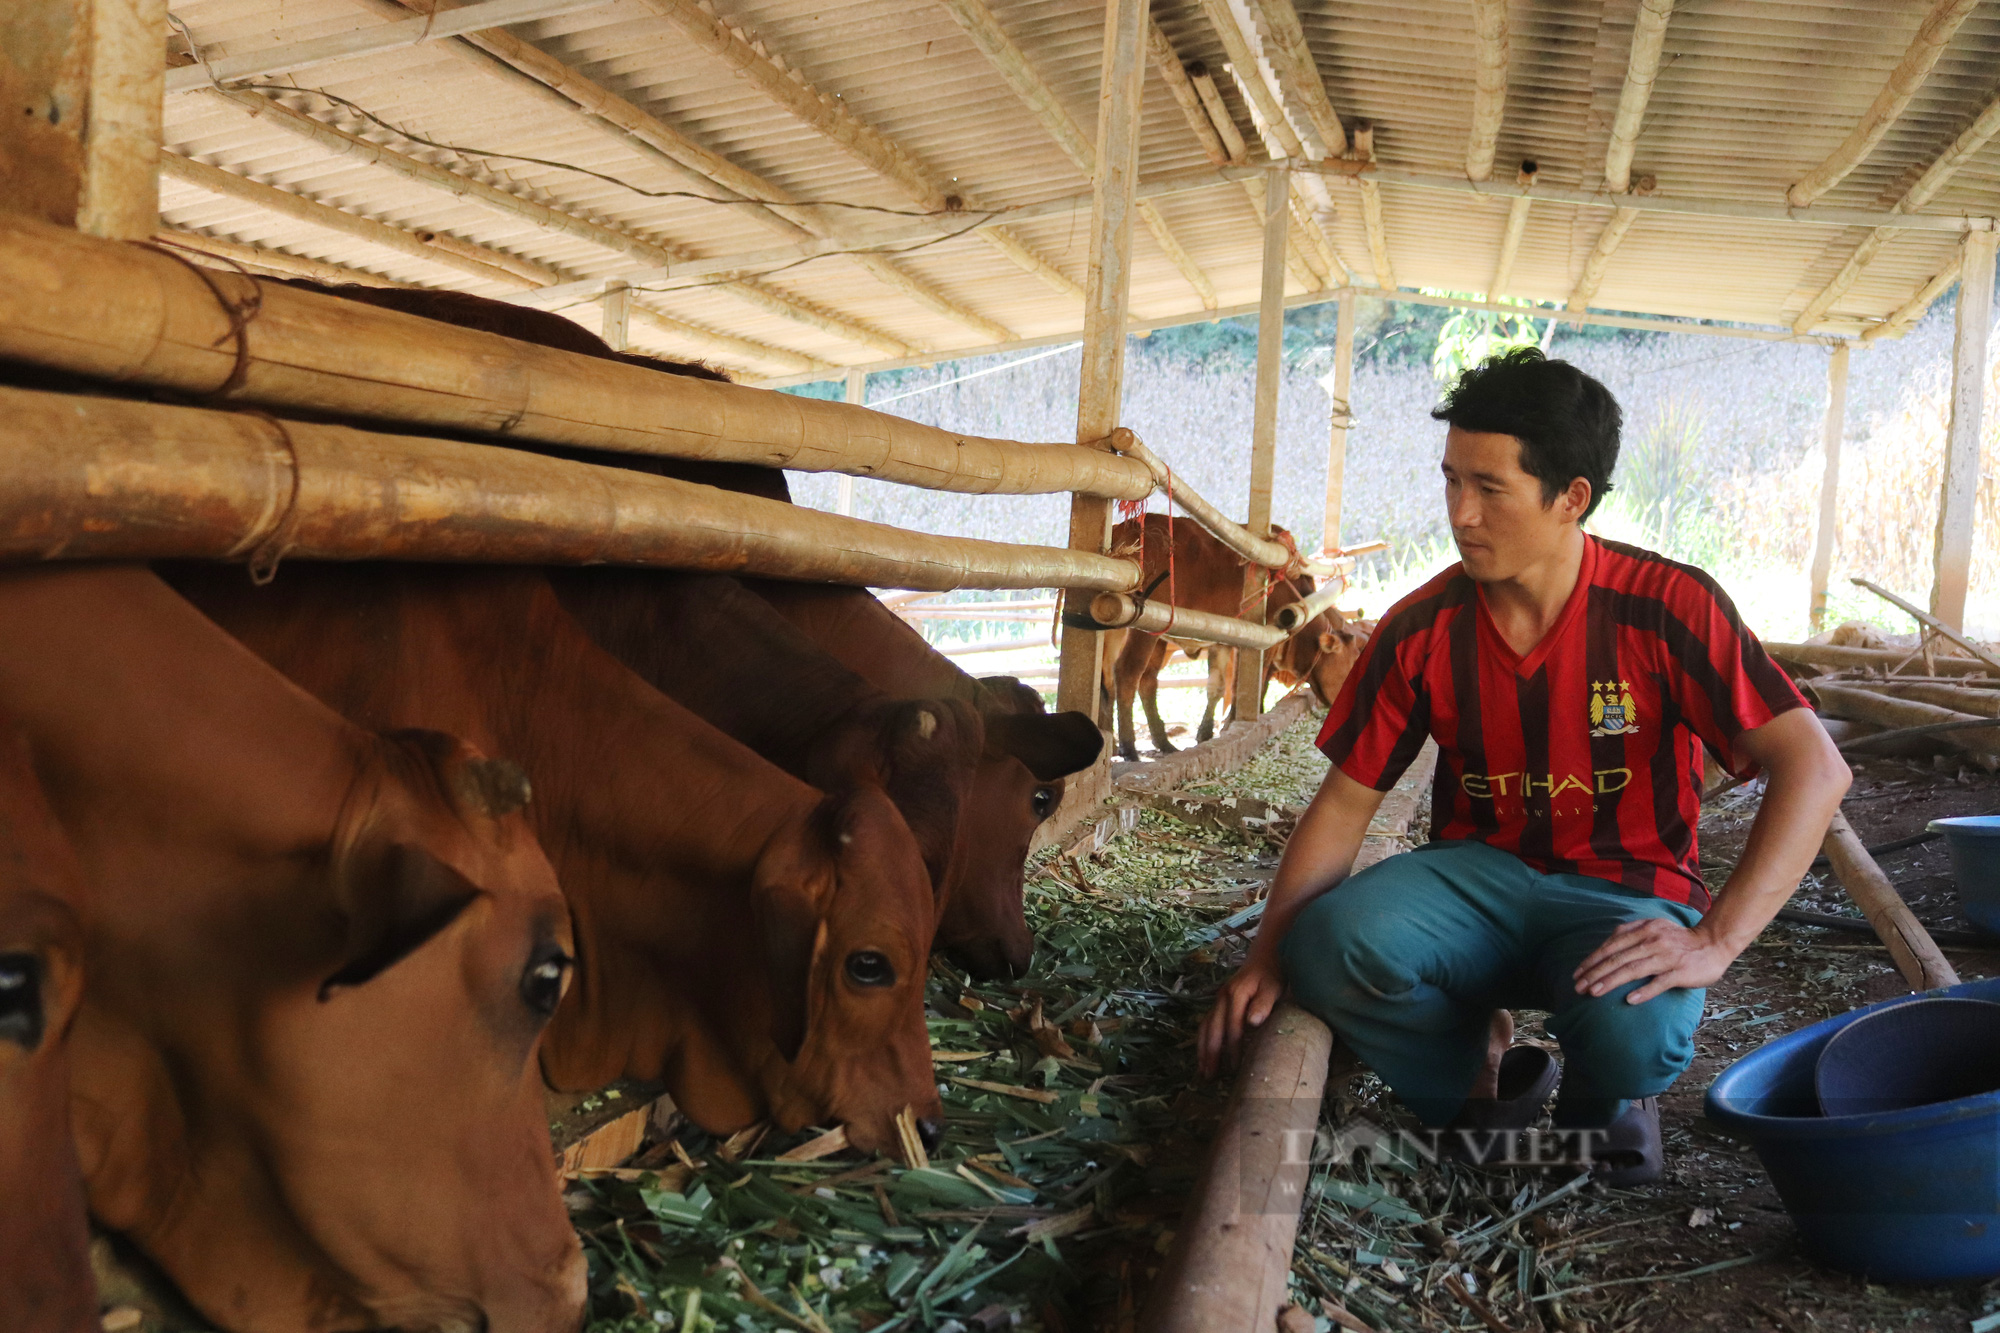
1339 649
1018 784
45 1279
356 1136
843 909
923 753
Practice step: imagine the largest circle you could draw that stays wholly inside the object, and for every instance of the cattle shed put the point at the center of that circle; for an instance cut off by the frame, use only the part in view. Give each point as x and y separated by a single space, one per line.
799 192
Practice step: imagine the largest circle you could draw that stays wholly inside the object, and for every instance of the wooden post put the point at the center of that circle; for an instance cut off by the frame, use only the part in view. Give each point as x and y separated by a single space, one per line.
617 315
1264 430
1343 419
88 74
1829 487
857 393
1910 946
1958 494
1106 297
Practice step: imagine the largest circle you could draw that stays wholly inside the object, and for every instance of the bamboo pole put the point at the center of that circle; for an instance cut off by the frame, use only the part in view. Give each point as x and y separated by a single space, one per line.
1489 86
1926 187
284 57
857 394
1291 59
1174 74
1915 954
1599 261
1510 235
1371 210
1101 391
1930 622
117 479
1933 35
473 260
1295 616
1959 698
1232 1253
1642 68
1912 310
1340 419
515 207
118 312
1117 610
1829 487
1869 659
1020 74
1244 64
829 117
1958 500
1264 435
1863 705
120 196
276 263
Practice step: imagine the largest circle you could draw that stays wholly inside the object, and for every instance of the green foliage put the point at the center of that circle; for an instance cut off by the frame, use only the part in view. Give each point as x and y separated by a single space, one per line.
1469 337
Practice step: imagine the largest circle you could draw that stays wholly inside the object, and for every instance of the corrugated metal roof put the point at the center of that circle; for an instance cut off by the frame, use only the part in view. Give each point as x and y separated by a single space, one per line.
1751 95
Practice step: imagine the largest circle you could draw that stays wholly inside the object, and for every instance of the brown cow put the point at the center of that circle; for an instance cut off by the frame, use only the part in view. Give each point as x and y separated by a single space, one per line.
1018 783
758 946
45 1280
1205 575
303 1075
708 642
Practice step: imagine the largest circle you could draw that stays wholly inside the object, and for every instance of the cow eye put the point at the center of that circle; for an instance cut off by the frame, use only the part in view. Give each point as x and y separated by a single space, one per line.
542 983
21 999
1044 801
869 968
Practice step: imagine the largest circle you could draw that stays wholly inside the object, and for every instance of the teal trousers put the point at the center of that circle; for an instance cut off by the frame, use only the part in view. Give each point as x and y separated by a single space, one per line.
1407 959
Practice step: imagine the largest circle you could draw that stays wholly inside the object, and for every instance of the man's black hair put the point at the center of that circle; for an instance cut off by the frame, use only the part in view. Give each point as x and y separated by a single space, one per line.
1566 421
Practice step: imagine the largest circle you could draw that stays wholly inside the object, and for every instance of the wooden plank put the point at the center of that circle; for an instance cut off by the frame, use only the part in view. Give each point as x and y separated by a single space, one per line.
610 1144
1340 421
1264 429
1910 945
1872 659
1107 298
1239 740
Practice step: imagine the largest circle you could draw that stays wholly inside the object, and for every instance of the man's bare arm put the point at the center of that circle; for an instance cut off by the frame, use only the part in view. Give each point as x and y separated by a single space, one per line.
1806 779
1320 855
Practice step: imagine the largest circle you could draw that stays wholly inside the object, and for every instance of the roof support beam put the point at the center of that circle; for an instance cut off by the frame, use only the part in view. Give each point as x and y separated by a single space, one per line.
276 263
223 66
1594 267
1649 35
829 118
1291 59
523 65
1212 111
1958 507
1489 86
1510 238
1100 393
1921 192
1264 431
1914 309
353 146
1243 63
475 261
1936 31
1175 75
1013 65
1371 210
1832 430
120 195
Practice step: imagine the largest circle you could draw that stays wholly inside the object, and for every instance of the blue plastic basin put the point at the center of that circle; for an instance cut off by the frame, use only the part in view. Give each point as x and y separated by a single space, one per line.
1910 1195
1973 842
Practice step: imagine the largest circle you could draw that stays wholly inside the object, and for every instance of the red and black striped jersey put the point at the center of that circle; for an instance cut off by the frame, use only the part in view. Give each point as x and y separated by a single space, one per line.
1585 756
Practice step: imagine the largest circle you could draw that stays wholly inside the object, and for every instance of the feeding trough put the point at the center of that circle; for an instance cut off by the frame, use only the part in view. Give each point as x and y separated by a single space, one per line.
1908 1193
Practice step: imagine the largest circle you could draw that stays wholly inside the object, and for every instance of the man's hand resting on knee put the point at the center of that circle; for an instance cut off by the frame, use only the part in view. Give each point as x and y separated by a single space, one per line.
1806 779
1320 855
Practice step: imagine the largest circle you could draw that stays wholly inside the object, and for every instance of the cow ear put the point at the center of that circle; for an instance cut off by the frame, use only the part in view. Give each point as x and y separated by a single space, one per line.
789 901
1052 745
396 906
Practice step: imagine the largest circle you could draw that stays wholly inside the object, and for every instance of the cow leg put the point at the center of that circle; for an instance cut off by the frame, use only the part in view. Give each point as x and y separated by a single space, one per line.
1220 660
1131 664
1149 690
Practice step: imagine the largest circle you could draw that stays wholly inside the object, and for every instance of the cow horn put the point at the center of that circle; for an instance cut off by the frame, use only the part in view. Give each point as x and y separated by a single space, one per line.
495 788
926 724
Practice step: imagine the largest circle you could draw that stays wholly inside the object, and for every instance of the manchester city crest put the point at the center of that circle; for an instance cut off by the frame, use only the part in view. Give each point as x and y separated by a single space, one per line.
1612 712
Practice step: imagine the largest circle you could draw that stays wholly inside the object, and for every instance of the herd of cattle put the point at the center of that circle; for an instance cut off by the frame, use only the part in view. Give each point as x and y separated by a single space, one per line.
309 890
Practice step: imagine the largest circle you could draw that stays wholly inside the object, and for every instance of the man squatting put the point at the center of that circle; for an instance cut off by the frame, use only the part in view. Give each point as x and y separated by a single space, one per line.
1571 685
